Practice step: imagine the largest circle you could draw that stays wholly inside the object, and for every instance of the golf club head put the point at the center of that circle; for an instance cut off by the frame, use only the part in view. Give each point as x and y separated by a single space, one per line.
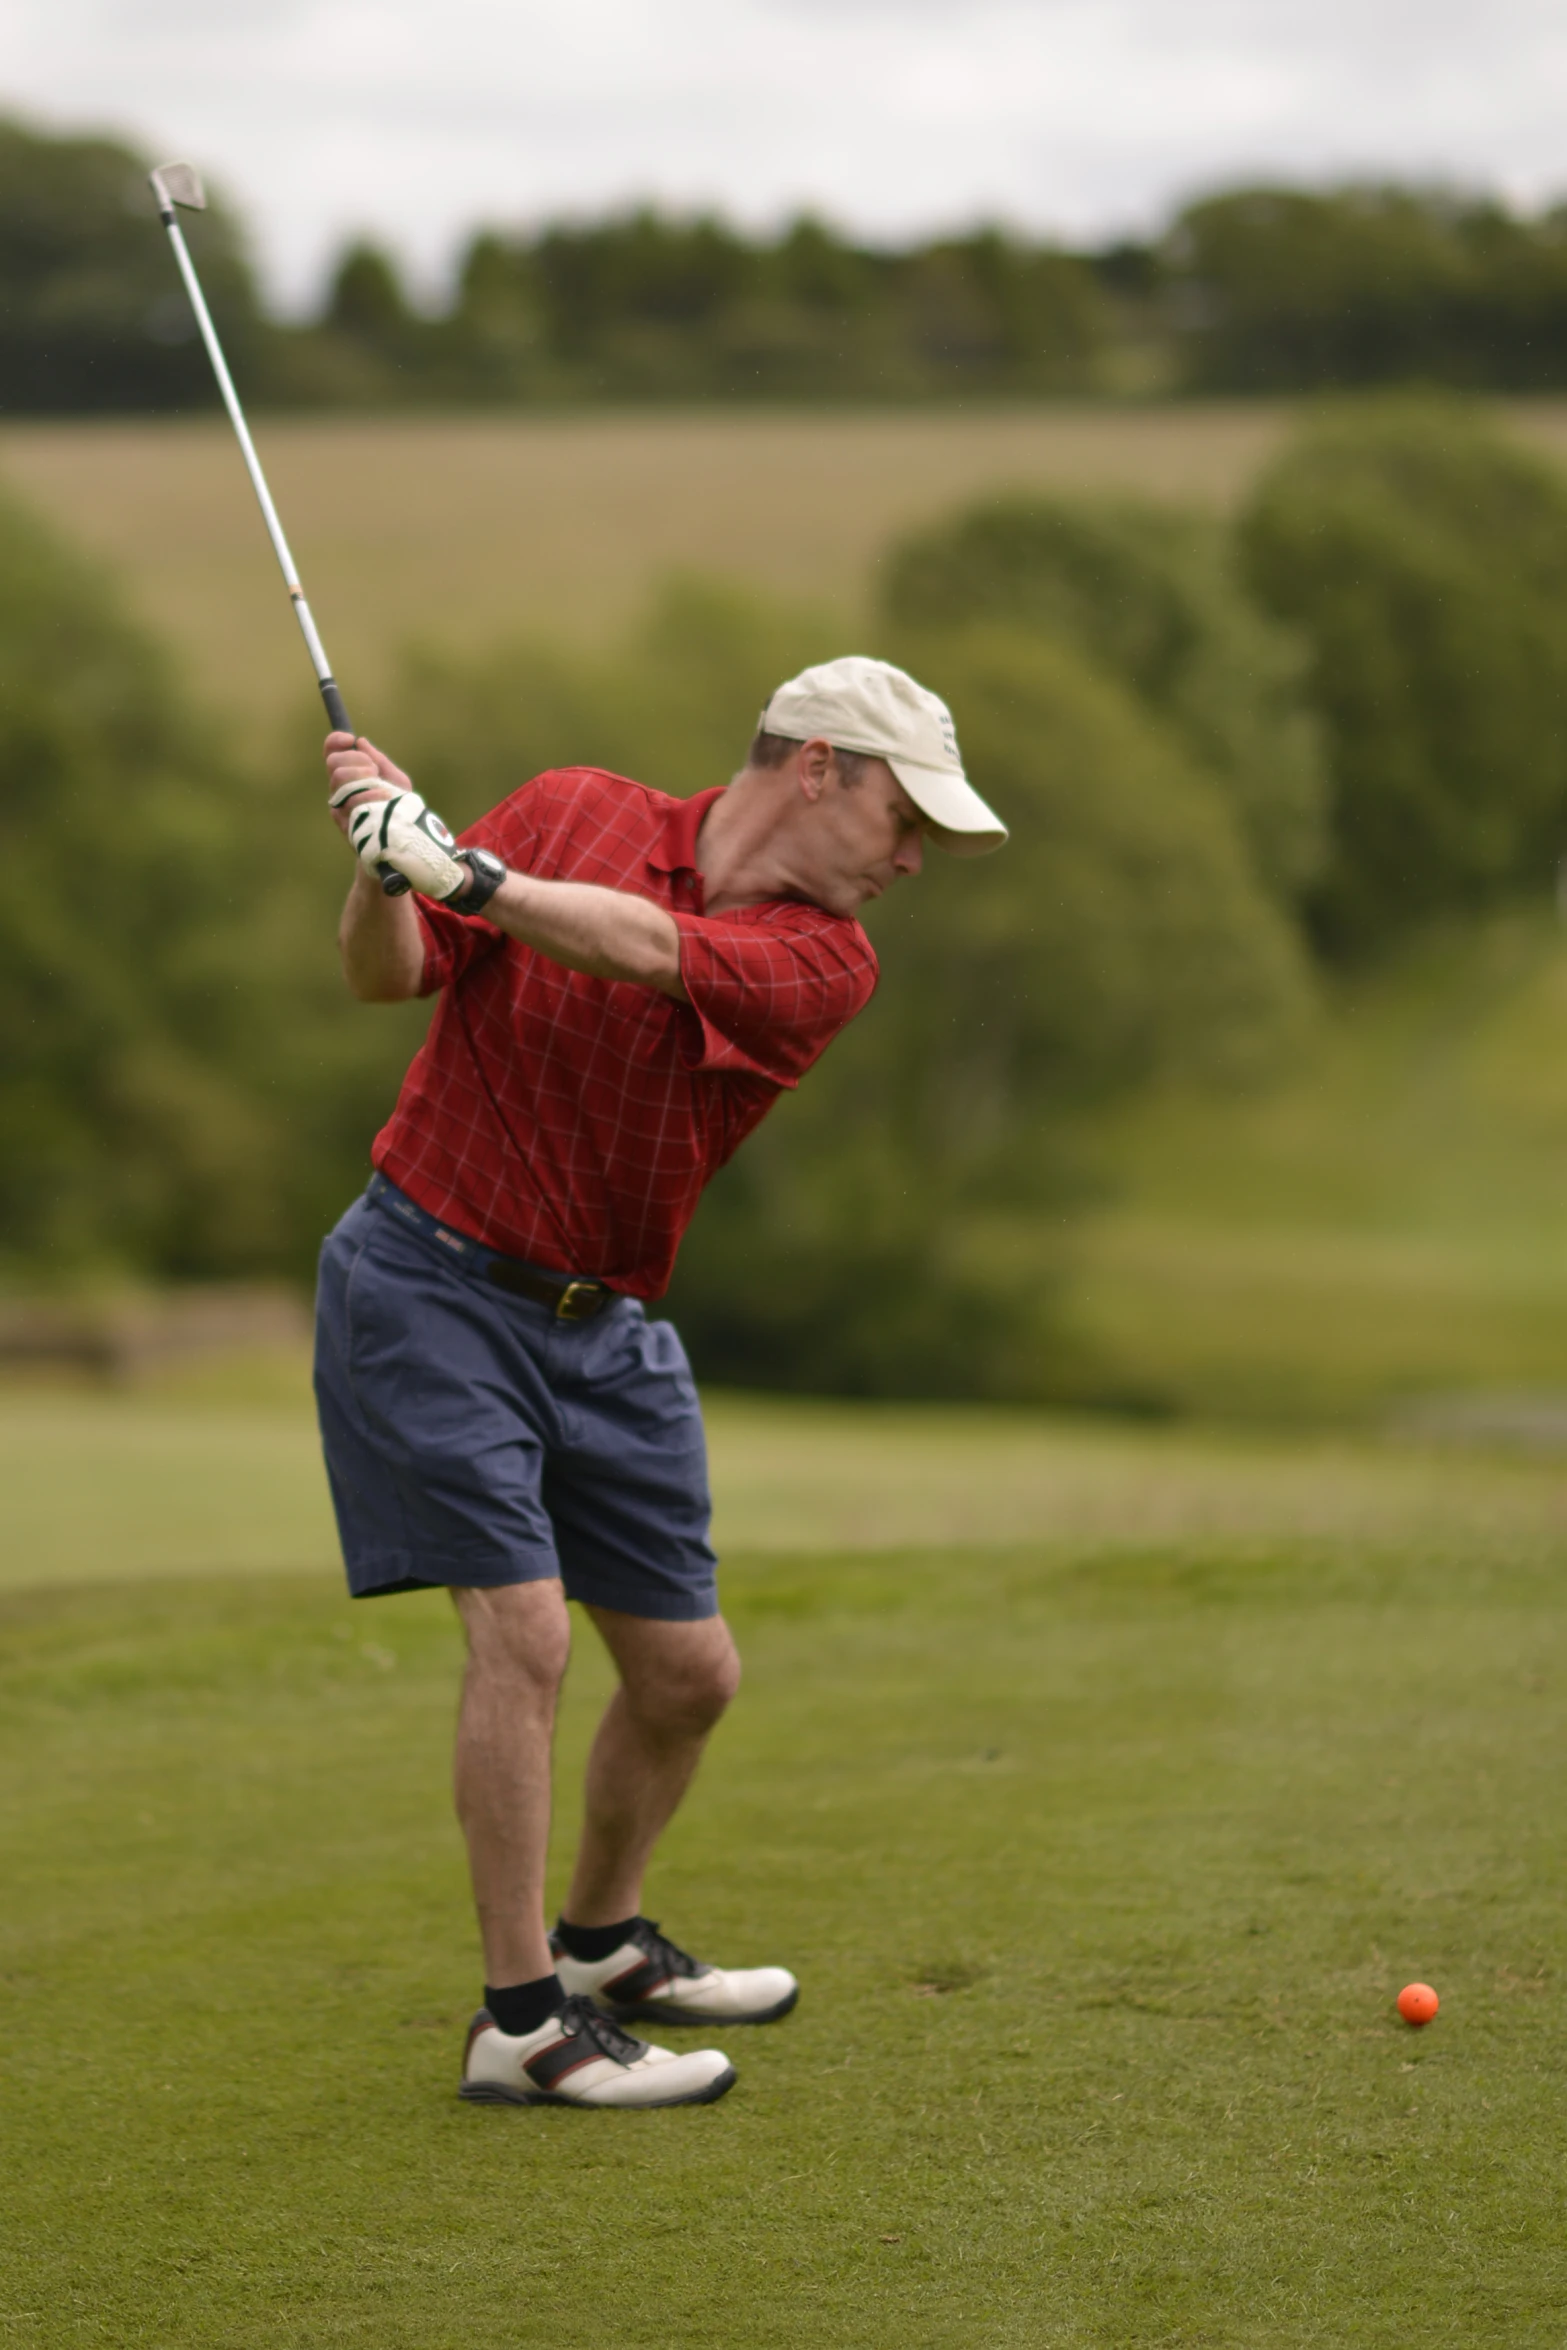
177 183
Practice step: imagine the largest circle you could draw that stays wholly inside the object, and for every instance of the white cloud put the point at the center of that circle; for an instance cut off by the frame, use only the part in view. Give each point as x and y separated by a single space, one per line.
413 121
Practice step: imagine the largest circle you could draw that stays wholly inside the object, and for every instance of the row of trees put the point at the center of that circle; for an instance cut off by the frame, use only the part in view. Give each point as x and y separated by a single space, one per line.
1237 760
1262 290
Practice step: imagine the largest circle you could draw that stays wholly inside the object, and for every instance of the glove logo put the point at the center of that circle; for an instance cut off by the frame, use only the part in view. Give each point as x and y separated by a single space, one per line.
402 835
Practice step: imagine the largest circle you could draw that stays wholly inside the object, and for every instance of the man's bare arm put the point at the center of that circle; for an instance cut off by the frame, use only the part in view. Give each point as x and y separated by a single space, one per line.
381 944
609 933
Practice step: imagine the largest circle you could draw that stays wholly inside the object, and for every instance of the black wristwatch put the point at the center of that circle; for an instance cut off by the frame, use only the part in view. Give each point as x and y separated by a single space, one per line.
488 874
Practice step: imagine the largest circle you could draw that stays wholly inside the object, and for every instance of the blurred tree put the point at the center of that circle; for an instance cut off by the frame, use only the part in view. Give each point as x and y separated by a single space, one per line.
1425 561
1149 593
497 332
186 1090
985 312
1262 289
369 334
646 306
92 311
1274 289
367 298
125 1131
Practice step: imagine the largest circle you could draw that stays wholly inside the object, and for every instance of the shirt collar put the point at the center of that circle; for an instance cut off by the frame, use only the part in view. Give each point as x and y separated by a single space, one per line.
675 849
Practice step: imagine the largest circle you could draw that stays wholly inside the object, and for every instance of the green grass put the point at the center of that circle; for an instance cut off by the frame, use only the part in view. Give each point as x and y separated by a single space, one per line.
1101 1858
219 1471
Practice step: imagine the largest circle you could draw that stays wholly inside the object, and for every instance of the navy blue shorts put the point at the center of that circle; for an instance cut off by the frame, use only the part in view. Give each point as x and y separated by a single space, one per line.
473 1438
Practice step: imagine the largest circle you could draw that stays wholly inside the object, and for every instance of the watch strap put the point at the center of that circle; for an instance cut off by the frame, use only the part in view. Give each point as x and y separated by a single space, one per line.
487 872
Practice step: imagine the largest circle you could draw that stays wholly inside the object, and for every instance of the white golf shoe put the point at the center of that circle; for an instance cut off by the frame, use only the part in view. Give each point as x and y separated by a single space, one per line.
582 2057
650 1979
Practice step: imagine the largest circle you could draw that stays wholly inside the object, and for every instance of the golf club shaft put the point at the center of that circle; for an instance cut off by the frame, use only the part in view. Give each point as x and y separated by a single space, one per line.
335 711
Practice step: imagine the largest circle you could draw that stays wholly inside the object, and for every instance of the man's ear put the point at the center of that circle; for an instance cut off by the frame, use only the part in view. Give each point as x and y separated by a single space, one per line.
814 765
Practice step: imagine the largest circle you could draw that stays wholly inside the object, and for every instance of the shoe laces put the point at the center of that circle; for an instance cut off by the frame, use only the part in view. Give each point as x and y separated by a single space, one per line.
663 1952
580 2019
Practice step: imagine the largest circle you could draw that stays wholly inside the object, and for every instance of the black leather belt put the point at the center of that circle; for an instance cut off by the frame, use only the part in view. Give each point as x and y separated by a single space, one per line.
569 1298
568 1301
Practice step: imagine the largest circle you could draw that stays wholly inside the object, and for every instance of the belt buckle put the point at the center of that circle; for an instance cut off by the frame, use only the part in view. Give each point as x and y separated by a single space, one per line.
578 1301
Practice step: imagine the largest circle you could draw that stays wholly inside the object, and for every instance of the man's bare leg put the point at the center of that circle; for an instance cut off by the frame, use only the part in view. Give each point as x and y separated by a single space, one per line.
519 1638
675 1681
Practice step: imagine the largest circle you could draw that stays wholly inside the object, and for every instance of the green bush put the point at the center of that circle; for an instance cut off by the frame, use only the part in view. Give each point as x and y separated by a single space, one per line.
1148 593
1424 559
122 1127
186 1089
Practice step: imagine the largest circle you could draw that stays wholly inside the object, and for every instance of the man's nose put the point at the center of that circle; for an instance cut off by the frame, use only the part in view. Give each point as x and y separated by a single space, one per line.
910 854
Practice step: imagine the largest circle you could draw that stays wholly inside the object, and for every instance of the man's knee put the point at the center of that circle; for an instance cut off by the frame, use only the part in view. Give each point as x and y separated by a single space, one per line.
519 1632
689 1679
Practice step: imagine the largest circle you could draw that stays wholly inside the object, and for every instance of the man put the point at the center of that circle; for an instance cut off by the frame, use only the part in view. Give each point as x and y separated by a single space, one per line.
627 982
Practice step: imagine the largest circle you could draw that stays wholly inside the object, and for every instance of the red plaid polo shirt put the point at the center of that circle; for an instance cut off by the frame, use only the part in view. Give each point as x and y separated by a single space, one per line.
573 1121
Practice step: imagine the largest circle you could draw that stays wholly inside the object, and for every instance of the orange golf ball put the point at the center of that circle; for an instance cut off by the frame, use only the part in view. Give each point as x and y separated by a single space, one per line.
1417 2003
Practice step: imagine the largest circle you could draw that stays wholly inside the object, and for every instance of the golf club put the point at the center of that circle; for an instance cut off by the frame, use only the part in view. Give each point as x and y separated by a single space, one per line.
174 184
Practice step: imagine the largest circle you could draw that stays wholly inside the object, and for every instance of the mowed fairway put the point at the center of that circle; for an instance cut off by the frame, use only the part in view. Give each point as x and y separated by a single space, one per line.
1102 1841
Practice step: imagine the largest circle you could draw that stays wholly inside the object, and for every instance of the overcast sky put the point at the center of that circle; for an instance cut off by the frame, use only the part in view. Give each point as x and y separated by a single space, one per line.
413 120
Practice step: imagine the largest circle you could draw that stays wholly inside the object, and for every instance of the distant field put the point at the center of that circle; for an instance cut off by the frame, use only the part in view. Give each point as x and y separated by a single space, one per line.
468 527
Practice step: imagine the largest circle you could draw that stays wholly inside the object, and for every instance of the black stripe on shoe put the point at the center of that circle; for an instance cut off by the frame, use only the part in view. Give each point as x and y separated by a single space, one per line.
638 1982
586 2034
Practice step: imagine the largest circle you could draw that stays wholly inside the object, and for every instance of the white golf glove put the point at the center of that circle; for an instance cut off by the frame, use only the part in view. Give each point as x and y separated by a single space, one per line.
404 835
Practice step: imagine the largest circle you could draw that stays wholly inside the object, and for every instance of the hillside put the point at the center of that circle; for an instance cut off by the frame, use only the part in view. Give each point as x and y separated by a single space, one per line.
1389 1223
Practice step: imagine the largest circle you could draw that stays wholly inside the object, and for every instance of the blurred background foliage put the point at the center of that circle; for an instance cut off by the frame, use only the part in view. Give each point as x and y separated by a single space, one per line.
1269 777
1425 563
1243 763
1254 290
1150 594
180 1087
91 316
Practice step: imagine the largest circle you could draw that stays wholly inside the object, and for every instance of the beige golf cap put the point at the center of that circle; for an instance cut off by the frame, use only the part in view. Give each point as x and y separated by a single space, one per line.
862 705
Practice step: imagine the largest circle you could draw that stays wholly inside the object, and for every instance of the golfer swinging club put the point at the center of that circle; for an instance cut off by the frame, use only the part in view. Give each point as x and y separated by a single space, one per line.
627 981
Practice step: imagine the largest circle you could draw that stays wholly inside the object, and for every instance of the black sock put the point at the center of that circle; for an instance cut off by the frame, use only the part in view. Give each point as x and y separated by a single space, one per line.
586 1943
522 2007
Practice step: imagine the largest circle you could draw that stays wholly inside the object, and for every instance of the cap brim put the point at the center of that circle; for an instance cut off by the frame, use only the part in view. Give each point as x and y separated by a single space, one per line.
964 824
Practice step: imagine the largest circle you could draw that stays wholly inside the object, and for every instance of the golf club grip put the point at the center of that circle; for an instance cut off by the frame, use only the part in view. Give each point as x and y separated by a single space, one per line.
393 883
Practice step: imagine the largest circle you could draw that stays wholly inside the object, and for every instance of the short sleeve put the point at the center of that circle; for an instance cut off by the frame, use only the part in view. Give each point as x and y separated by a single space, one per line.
454 943
770 996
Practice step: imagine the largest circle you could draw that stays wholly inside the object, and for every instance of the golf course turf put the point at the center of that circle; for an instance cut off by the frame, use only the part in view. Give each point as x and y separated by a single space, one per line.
1101 1868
